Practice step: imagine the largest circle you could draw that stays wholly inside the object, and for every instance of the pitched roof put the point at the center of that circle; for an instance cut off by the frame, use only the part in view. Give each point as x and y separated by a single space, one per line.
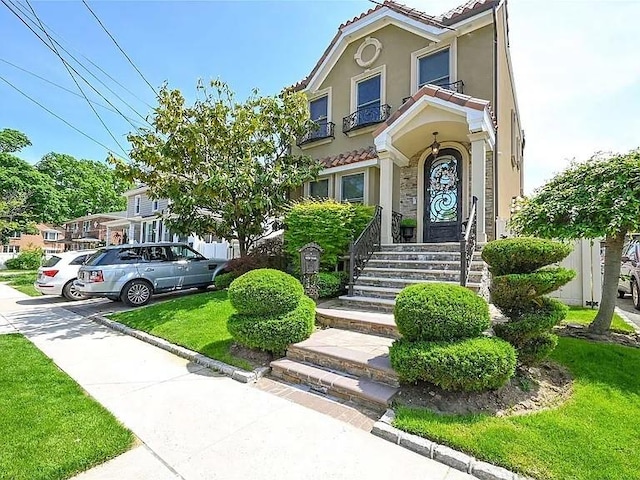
443 94
468 9
347 158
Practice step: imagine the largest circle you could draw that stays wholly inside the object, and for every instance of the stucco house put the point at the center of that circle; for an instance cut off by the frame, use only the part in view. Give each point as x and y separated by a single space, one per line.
418 114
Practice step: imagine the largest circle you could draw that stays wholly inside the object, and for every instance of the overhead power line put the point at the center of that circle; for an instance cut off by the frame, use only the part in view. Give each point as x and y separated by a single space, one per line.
119 47
57 116
9 4
66 66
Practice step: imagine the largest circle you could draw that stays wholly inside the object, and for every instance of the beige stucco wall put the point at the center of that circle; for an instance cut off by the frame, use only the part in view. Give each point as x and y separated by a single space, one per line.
475 62
509 176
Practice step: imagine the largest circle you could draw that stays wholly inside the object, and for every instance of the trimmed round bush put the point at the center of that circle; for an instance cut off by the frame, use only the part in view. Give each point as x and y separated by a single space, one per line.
473 364
510 292
274 333
537 348
522 254
223 280
265 292
437 311
532 321
329 284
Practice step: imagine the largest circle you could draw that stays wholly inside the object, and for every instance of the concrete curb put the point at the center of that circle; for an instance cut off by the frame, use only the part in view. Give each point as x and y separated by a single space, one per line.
236 373
383 428
626 319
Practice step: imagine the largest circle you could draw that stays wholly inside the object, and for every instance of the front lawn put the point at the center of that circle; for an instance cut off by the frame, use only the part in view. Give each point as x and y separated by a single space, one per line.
21 280
584 316
593 436
197 322
49 428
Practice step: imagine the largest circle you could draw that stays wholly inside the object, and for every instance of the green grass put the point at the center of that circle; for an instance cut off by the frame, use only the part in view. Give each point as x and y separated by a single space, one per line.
593 436
584 316
197 322
22 281
7 272
49 428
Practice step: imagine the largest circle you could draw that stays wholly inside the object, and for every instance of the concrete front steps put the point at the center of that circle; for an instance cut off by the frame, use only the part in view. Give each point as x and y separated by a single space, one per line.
350 362
398 265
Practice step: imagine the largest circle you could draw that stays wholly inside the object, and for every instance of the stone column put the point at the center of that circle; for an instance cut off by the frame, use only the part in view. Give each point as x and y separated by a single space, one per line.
478 179
386 195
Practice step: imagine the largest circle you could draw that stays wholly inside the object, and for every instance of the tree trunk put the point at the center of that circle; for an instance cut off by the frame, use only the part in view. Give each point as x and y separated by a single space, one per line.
242 242
612 259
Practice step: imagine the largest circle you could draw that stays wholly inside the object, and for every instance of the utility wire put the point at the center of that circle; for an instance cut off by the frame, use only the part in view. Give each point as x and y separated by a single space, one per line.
56 115
60 86
52 32
7 2
66 66
119 47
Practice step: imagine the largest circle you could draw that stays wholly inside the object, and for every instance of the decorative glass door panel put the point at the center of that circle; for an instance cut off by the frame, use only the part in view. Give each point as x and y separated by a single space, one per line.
443 197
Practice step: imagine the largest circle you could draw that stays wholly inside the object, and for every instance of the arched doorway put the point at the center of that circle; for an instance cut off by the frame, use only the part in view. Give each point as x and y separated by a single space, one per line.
442 219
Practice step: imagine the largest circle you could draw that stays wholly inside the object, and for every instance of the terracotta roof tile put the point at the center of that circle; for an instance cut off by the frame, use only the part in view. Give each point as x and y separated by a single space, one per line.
444 94
347 158
466 10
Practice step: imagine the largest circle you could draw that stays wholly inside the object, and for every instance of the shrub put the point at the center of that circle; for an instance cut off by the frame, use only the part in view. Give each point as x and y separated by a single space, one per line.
532 321
513 290
265 292
537 348
473 364
522 254
329 223
26 260
409 222
436 311
329 284
274 333
223 280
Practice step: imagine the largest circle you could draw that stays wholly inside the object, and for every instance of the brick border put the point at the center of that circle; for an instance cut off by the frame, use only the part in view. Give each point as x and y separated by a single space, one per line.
235 373
383 428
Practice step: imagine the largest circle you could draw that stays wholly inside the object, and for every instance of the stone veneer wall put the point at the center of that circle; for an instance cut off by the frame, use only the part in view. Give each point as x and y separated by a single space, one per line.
409 191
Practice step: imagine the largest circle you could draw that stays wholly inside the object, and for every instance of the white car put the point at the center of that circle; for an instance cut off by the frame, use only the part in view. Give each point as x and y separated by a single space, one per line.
56 275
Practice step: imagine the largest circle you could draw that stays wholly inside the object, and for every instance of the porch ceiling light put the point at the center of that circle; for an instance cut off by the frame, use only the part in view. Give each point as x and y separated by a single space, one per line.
435 146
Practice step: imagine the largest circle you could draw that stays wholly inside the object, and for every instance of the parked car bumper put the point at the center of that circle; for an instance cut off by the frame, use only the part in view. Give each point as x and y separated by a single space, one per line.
48 288
95 289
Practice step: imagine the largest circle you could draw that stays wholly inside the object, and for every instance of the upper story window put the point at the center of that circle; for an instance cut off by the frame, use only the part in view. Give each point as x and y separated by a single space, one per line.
136 204
368 99
51 236
155 205
319 189
353 188
319 113
318 110
85 226
434 69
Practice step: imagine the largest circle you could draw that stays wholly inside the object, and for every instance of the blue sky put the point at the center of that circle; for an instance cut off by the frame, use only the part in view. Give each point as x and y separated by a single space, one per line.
576 65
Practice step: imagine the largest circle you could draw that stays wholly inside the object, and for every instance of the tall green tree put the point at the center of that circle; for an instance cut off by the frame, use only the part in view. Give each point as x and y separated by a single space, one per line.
226 165
85 186
12 140
599 198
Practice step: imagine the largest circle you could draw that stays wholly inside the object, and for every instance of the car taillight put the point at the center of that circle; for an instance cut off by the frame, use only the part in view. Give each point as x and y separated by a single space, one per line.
95 276
50 273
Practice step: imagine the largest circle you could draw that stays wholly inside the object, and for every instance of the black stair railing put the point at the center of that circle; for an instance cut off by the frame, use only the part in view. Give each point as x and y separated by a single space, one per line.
396 220
363 247
468 242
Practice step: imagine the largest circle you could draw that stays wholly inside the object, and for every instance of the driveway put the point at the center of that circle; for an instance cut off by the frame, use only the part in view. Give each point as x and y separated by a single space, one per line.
626 305
195 424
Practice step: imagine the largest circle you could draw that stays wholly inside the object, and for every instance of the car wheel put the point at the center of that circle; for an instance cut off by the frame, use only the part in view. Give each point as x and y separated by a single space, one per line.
136 293
635 294
203 288
113 298
621 294
71 293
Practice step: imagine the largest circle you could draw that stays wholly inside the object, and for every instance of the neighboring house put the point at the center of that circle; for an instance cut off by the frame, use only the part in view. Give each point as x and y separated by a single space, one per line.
144 221
50 239
418 114
89 232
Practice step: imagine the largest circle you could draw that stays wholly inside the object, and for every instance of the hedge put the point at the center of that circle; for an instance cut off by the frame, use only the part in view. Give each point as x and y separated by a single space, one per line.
329 223
265 292
522 254
274 333
27 260
329 284
532 321
473 364
437 311
223 280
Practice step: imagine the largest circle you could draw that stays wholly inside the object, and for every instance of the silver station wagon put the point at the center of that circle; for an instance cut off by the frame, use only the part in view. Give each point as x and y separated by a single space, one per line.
133 273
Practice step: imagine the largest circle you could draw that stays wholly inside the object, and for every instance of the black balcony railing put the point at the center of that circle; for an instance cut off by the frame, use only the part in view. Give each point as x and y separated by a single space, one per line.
318 132
365 116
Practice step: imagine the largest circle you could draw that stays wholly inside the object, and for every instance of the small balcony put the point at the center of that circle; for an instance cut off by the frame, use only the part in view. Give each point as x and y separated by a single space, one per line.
321 131
453 86
365 116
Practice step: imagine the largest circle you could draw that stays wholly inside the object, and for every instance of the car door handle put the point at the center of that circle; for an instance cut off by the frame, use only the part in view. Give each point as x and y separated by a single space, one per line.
180 267
149 269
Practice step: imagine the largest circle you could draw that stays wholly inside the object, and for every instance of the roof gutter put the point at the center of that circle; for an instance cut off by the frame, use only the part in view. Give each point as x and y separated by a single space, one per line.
495 112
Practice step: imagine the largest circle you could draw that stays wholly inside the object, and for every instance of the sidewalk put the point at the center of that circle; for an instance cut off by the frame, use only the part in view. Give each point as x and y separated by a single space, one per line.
196 424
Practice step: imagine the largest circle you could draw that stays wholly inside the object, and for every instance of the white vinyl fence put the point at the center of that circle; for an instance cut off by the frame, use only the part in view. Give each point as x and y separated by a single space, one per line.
586 288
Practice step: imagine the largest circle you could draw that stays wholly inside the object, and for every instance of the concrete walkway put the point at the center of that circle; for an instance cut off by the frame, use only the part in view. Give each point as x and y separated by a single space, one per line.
196 424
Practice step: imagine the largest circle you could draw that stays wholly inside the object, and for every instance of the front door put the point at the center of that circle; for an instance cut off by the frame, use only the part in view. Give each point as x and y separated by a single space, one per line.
443 197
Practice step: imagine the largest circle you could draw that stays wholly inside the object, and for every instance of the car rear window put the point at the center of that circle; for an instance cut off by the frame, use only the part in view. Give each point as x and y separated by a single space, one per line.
97 258
50 262
78 260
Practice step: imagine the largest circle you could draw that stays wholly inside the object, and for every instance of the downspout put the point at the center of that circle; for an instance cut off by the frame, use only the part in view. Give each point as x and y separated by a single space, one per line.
495 112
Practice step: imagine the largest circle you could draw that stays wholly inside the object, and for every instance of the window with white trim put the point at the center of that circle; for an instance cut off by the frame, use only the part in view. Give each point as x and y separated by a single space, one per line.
352 188
136 205
368 99
434 69
10 249
319 188
51 236
155 205
85 226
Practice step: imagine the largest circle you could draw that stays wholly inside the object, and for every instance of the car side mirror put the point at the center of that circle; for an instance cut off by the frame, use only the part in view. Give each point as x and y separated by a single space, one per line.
624 259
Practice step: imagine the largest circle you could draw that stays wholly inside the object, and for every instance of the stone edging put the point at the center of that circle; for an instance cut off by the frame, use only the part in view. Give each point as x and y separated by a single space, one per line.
230 371
626 319
383 428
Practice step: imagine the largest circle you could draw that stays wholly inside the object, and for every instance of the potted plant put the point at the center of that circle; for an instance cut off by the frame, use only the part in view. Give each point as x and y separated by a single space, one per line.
407 228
